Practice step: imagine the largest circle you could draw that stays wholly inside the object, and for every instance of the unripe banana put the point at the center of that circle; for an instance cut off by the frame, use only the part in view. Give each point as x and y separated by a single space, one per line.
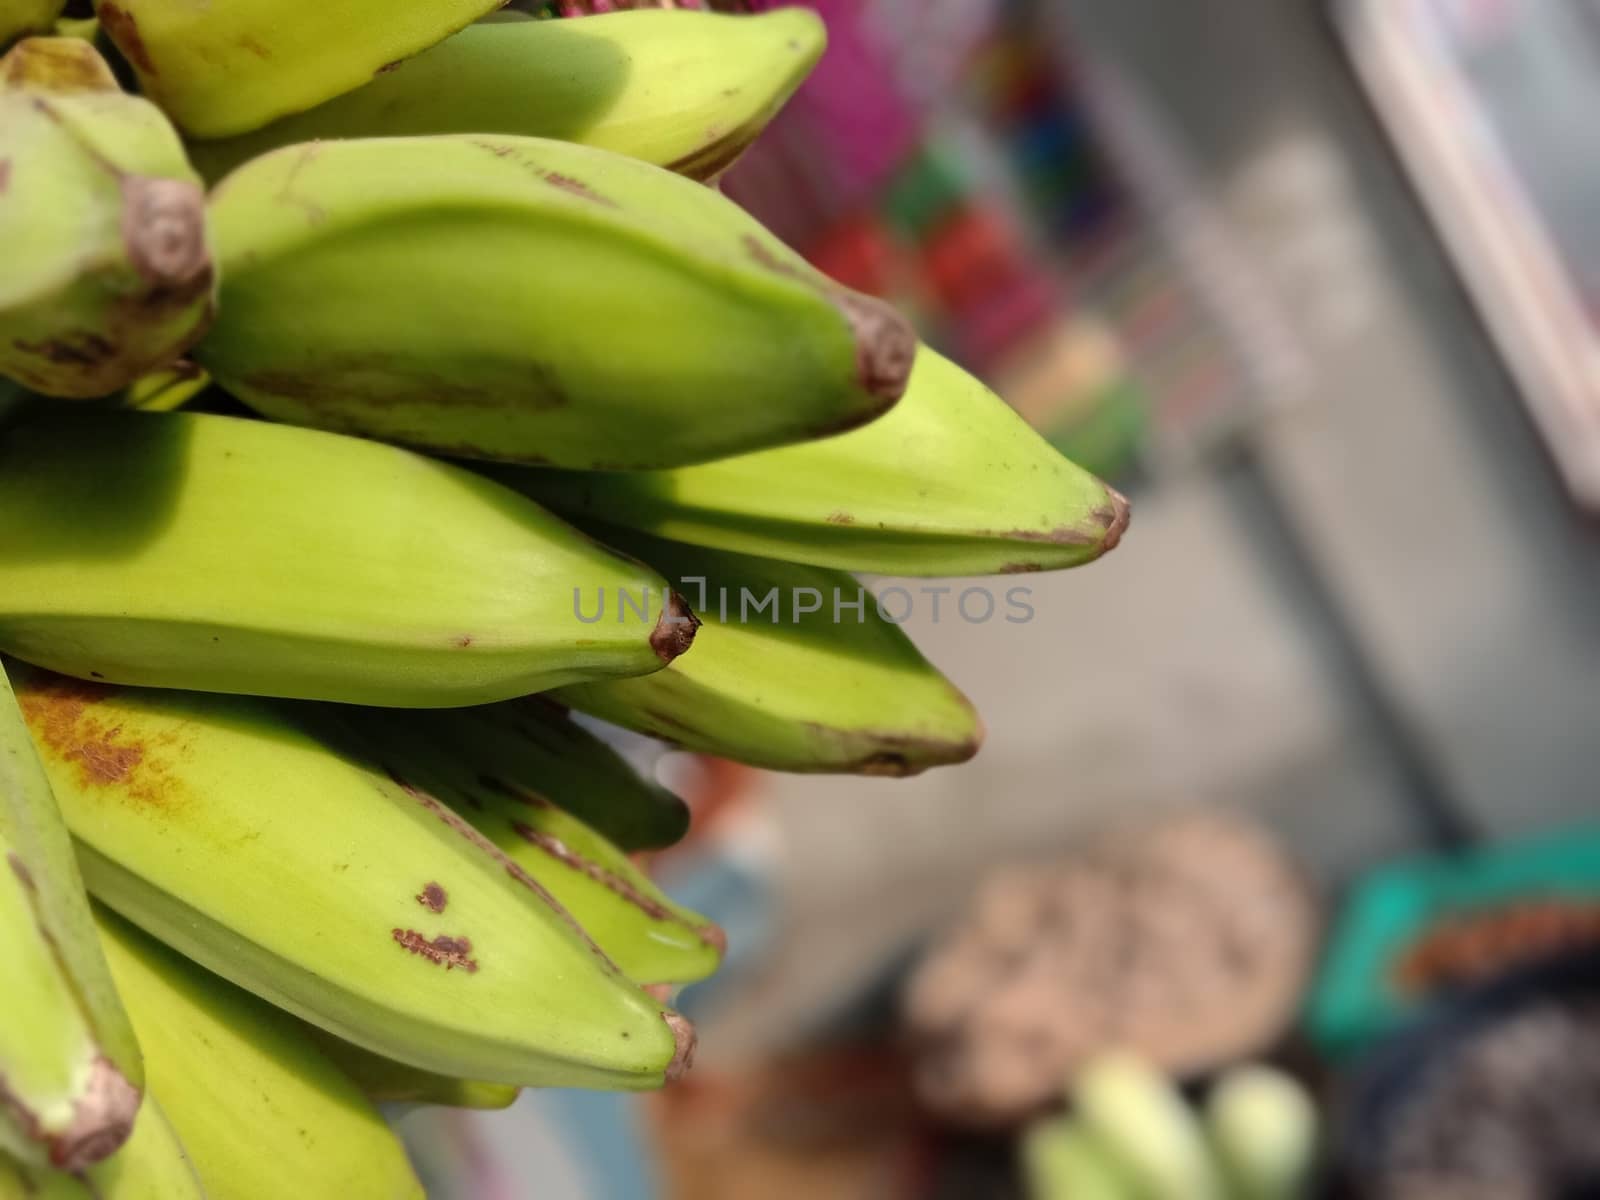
250 837
262 1114
532 748
684 90
193 551
108 273
950 482
70 1071
1135 1112
794 669
651 939
20 17
384 1081
151 1165
225 68
1263 1127
1062 1161
528 300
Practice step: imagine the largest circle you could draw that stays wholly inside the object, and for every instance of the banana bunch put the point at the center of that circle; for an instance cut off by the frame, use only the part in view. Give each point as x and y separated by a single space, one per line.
292 693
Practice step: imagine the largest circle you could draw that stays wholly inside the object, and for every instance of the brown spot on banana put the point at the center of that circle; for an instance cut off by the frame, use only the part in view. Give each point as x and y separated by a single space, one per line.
433 897
685 1038
520 795
102 1118
51 64
20 870
123 30
675 629
445 951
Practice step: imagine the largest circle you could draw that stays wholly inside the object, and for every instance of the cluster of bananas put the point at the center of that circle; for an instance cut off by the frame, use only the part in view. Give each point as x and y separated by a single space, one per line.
272 682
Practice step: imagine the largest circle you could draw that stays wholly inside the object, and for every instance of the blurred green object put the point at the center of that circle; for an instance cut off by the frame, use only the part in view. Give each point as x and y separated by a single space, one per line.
1263 1130
1358 997
1061 1160
1106 441
1139 1116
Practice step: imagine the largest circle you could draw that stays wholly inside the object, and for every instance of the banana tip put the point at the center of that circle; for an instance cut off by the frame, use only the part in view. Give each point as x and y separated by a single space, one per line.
684 1035
102 1119
886 345
675 629
1116 520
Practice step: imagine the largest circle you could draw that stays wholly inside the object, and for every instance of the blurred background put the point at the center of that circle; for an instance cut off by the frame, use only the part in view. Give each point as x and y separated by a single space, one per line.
1302 774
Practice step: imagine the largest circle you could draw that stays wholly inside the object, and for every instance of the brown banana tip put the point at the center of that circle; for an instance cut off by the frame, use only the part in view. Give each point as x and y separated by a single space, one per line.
675 629
1116 520
714 936
164 231
886 345
101 1120
684 1035
56 64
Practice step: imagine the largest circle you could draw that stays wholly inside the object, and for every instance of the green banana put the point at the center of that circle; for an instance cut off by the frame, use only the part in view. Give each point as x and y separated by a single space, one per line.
1263 1128
228 555
70 1070
21 17
684 90
384 1081
950 482
651 939
835 688
151 1165
108 273
530 747
1138 1116
1062 1161
262 1114
222 69
528 300
254 838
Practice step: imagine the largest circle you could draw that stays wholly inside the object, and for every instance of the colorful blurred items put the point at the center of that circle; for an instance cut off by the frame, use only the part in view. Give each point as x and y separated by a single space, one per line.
1187 940
1493 1096
838 1122
1413 931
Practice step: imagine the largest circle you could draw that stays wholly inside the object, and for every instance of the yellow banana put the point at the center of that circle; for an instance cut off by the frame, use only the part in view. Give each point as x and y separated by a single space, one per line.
794 669
1141 1119
108 273
227 68
529 300
21 17
650 938
530 747
70 1071
1263 1129
261 1113
151 1165
384 1081
256 839
684 90
193 551
949 482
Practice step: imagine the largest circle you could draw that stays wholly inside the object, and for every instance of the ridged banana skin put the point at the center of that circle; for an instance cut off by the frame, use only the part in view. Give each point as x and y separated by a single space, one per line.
102 227
20 17
241 833
70 1068
532 747
384 1081
650 938
222 69
687 91
528 300
817 692
261 1112
220 554
152 1165
950 482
